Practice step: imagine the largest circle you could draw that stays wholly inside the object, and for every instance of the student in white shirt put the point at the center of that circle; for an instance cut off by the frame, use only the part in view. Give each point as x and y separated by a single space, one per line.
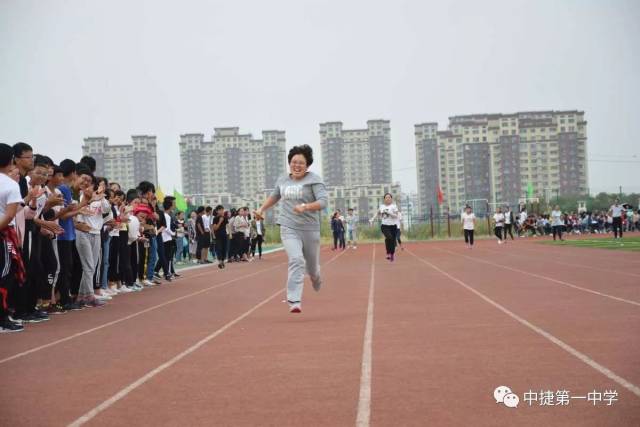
388 213
498 219
88 240
615 211
556 222
508 223
10 200
468 219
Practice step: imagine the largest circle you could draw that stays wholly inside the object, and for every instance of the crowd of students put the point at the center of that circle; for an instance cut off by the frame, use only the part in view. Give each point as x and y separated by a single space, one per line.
70 240
618 219
230 236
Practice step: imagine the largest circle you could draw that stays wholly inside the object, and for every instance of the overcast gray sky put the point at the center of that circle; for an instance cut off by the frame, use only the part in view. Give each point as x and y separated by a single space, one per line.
71 69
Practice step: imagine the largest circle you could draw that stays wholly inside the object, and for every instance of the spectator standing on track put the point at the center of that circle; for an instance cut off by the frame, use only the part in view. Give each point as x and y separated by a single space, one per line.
12 272
468 219
388 213
240 226
498 224
615 211
556 222
352 228
257 236
180 237
509 220
337 228
201 237
303 195
219 226
191 233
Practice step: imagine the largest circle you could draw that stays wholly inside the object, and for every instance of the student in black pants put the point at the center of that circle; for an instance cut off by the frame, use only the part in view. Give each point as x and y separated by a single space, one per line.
219 227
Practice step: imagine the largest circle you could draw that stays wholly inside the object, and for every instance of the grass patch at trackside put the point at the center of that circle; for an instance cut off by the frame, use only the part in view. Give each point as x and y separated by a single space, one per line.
631 243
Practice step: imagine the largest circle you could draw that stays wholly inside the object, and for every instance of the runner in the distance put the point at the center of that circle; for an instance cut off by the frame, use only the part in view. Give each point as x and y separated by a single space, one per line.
468 225
388 213
498 219
303 196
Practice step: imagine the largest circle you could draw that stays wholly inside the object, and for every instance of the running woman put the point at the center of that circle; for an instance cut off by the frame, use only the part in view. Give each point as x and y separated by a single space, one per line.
468 226
388 213
498 219
556 222
303 195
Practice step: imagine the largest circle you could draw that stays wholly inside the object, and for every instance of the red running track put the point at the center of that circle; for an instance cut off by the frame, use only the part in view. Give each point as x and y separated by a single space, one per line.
447 326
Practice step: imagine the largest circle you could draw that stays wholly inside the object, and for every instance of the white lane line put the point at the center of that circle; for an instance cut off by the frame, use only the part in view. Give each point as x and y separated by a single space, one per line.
140 381
131 316
128 389
605 270
561 250
364 401
551 279
566 347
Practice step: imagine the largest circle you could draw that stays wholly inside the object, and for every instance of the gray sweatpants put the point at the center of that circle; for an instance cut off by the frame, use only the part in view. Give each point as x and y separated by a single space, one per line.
303 250
88 246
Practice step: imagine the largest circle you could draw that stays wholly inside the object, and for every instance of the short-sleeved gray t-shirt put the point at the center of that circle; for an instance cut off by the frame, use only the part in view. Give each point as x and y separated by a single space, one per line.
291 192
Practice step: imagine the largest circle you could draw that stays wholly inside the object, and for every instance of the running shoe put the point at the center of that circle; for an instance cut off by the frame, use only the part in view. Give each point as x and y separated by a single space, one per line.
8 326
295 308
177 275
157 275
148 283
391 257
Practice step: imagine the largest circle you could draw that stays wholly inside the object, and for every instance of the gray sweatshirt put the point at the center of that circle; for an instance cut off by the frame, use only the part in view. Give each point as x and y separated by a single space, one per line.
293 192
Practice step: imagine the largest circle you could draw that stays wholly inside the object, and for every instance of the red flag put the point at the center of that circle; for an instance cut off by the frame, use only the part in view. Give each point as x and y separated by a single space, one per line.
440 195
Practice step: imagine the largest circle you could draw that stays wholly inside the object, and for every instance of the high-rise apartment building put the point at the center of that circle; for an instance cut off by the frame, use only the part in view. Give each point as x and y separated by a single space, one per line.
356 156
501 158
231 162
126 164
